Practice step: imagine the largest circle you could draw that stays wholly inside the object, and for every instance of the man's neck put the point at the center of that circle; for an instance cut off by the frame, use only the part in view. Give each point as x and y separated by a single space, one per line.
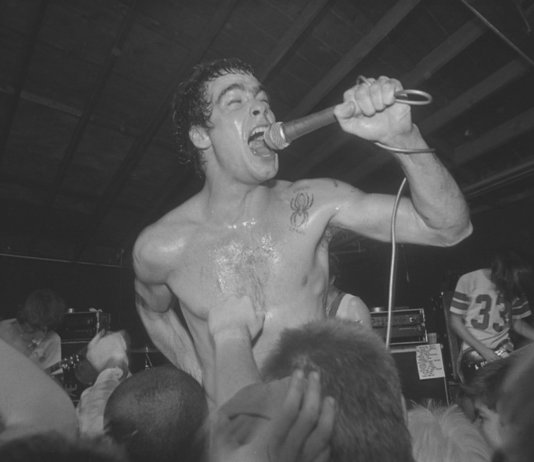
230 203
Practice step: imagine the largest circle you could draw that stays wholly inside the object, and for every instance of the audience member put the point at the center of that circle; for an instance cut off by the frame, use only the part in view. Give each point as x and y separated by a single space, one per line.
155 415
358 372
107 359
515 407
32 330
485 305
341 304
30 401
445 434
298 430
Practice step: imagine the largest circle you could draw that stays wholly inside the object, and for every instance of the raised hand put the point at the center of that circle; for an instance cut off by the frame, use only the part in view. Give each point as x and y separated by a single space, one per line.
370 111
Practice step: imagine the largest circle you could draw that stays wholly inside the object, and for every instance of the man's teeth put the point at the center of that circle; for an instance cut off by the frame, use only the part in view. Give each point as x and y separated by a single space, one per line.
256 134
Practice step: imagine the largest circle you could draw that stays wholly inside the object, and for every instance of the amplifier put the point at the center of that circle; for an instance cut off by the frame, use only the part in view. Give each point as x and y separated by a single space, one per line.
83 325
416 387
407 325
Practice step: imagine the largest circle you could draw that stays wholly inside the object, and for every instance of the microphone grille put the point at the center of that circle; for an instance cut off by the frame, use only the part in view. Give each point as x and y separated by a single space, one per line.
274 137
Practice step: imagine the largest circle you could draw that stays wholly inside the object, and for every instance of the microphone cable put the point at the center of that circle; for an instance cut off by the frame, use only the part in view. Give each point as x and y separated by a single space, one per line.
402 96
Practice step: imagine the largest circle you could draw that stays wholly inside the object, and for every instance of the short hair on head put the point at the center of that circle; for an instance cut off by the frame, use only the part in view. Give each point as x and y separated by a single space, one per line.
485 386
155 414
191 106
42 308
445 434
361 375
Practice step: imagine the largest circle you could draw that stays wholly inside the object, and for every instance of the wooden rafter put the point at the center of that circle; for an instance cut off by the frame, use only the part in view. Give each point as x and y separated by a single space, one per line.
135 153
354 56
450 48
84 119
285 44
494 138
21 76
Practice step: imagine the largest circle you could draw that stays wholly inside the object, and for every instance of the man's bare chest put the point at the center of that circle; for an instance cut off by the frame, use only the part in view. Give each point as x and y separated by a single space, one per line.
262 262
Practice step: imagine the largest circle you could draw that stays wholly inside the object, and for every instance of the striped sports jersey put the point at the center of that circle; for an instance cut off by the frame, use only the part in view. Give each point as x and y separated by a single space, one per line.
486 314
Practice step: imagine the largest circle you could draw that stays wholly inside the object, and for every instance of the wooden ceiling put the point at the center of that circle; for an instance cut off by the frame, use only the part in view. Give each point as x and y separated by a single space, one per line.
87 156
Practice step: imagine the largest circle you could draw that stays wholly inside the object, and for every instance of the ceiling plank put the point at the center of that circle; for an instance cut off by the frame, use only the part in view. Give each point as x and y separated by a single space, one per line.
284 45
20 79
493 139
89 107
135 153
457 42
90 104
357 53
444 53
499 179
494 82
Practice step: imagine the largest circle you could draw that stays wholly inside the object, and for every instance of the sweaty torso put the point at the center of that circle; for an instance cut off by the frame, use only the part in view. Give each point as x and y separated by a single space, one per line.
275 252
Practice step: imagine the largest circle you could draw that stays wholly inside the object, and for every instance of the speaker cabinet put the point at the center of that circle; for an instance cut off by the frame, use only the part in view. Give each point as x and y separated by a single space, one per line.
420 374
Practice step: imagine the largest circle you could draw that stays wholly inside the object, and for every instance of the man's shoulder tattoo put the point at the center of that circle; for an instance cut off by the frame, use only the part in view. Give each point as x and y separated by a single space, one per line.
300 204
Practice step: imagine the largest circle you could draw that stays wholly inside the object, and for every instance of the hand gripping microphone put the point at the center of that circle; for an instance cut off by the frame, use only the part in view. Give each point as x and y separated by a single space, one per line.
280 135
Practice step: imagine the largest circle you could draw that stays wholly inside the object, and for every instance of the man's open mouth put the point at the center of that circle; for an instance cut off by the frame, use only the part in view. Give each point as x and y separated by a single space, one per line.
256 142
256 136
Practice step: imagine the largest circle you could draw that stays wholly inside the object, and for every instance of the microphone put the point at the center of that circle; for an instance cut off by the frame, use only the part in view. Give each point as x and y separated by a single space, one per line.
279 135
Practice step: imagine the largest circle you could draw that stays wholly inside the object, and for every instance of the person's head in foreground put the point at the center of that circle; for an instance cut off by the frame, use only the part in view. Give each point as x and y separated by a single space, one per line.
360 374
155 415
516 411
445 434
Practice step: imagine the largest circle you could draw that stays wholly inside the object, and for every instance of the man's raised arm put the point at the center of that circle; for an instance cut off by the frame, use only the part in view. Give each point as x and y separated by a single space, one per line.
436 212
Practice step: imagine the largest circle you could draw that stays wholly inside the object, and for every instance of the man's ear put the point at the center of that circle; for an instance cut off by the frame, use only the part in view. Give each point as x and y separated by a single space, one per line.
199 137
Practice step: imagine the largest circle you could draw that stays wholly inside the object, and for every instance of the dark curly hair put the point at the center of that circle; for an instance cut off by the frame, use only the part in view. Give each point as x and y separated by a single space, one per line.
191 106
42 308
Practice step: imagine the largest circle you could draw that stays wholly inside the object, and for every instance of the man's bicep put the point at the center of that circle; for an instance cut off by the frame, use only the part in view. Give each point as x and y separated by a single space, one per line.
366 214
152 297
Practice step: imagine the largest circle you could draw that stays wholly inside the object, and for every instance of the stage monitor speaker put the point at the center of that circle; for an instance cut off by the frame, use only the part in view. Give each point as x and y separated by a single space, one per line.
415 387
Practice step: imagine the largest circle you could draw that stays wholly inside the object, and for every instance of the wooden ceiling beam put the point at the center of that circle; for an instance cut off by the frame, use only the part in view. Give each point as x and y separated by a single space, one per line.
491 84
20 79
499 179
431 63
494 138
139 147
451 47
286 43
105 71
351 59
49 103
81 125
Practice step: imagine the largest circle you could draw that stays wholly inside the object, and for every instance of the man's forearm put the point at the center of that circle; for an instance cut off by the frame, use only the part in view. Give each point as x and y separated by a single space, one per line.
435 194
235 366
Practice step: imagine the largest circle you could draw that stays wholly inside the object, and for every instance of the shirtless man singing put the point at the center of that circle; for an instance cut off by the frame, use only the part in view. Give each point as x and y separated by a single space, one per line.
247 234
